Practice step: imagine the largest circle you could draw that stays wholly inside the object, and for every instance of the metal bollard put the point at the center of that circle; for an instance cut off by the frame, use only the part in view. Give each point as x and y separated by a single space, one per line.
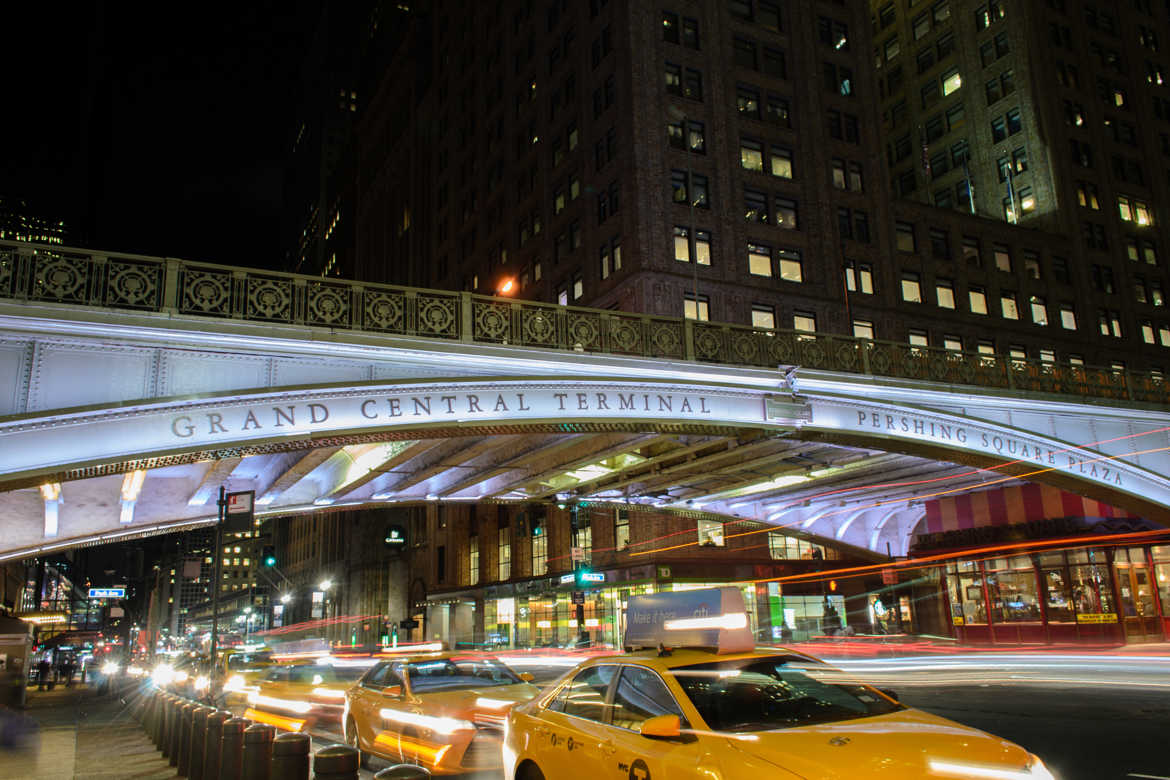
231 748
336 762
148 715
185 724
198 736
176 730
211 744
169 705
403 772
258 751
290 757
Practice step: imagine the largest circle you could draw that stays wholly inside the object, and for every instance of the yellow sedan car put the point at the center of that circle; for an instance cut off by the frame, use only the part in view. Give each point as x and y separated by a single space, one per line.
297 697
714 709
443 711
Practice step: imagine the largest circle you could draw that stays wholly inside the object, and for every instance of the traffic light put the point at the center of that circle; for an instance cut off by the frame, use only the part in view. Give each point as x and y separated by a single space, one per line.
268 555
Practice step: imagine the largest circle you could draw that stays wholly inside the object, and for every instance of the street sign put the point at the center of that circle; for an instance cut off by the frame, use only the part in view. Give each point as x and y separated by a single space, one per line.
578 597
592 576
107 593
568 579
889 576
577 554
408 624
238 512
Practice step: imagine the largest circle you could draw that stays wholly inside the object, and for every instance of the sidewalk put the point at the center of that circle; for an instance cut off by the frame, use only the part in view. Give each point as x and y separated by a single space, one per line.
84 735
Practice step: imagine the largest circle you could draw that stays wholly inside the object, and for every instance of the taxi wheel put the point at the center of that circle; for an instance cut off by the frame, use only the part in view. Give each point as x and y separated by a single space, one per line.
529 771
351 739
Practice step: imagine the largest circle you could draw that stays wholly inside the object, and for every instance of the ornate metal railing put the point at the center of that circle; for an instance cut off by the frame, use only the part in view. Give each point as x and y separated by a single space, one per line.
76 276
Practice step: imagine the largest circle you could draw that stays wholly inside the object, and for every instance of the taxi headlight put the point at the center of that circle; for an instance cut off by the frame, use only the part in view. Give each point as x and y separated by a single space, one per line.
202 682
1034 769
329 693
235 683
440 725
110 668
163 674
181 677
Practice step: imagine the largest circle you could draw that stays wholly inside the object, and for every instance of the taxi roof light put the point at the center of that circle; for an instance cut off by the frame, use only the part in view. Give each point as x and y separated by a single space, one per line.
709 618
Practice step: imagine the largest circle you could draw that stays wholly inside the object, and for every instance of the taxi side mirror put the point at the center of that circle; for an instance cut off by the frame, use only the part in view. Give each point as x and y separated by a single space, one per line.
526 677
392 690
662 727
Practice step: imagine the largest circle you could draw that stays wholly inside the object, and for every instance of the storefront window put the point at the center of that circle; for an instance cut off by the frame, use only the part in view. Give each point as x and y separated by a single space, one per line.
1089 580
1011 586
1161 556
1057 595
965 585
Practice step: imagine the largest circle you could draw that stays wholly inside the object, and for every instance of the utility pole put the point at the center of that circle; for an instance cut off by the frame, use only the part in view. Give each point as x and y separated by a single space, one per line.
222 505
578 567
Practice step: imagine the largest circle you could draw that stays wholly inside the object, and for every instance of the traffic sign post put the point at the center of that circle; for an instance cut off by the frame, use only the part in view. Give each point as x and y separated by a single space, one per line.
579 597
238 514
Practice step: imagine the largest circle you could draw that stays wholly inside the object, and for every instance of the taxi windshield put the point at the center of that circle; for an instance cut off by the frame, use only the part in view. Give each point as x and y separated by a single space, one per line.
237 661
454 673
321 674
759 694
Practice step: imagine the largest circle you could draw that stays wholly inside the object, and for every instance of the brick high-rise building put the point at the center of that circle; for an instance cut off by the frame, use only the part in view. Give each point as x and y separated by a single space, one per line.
1054 116
628 156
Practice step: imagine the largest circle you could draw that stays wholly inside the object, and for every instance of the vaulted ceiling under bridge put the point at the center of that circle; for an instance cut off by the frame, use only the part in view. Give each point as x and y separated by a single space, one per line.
120 423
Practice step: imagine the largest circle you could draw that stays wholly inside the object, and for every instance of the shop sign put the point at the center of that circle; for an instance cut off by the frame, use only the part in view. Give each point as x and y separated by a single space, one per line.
568 579
107 593
1097 617
577 554
957 620
889 576
664 572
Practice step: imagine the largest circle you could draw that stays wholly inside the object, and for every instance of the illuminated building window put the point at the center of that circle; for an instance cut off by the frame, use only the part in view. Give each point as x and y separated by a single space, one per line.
859 277
911 287
710 533
763 316
696 310
977 300
944 291
1068 316
621 529
863 329
1008 305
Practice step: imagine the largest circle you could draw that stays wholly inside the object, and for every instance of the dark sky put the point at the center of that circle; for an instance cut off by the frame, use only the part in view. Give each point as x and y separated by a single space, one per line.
156 129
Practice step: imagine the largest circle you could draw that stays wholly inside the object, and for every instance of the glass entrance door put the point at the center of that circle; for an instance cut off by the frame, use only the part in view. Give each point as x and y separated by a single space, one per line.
1135 592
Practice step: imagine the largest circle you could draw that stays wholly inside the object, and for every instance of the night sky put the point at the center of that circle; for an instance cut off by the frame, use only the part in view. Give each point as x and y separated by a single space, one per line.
155 129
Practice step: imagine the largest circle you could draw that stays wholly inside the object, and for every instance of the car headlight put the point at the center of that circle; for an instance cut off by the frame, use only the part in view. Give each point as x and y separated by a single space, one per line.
202 682
109 668
181 677
235 683
163 674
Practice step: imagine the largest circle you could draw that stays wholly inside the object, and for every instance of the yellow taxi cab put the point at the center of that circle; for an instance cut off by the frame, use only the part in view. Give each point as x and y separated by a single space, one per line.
444 711
240 671
706 704
300 696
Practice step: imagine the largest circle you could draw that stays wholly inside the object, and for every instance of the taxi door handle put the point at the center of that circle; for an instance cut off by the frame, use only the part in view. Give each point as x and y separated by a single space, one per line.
607 747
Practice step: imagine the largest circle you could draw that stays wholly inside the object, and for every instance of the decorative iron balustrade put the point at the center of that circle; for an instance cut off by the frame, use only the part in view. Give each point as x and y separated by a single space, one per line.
76 276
